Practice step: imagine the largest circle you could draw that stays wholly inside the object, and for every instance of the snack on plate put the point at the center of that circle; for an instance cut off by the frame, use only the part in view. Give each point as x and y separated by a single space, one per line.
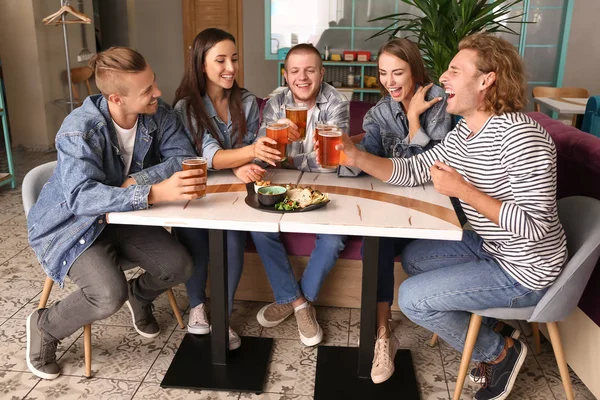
299 197
259 184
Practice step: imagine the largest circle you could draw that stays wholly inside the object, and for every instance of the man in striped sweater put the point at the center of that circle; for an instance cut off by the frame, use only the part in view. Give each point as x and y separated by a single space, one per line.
501 164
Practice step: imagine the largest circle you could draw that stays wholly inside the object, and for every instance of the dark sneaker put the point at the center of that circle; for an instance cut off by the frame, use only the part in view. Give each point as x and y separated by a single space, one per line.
143 319
506 331
500 378
41 349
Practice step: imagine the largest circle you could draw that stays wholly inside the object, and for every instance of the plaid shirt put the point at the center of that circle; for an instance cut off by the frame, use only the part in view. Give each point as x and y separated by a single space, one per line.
331 107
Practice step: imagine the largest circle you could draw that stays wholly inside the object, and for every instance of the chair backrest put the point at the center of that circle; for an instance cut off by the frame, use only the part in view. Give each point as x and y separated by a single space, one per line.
547 91
78 75
580 217
591 119
33 183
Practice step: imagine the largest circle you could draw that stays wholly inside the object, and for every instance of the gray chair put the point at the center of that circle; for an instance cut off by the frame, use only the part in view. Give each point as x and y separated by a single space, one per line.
33 183
580 217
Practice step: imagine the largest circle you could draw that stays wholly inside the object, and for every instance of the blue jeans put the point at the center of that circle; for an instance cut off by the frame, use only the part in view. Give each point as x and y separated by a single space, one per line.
279 270
447 278
389 249
196 241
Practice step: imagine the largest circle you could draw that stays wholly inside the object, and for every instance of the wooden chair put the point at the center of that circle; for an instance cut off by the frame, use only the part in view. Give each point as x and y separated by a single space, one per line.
580 217
546 91
79 75
32 186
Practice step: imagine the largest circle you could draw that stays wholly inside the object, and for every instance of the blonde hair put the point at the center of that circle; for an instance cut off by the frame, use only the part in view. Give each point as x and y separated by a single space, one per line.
507 93
108 64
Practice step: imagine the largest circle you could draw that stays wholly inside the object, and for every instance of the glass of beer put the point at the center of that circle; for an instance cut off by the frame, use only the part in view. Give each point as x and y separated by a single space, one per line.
298 114
329 155
324 126
196 163
279 132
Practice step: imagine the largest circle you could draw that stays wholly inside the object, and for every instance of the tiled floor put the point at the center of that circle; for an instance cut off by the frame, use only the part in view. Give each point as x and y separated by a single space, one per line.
127 366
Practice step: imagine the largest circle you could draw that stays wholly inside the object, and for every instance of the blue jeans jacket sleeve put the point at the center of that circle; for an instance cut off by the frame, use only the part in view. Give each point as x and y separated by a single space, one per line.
82 179
174 147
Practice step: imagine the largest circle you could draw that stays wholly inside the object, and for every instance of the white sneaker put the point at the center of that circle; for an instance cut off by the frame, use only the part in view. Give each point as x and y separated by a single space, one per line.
234 340
383 358
310 332
198 321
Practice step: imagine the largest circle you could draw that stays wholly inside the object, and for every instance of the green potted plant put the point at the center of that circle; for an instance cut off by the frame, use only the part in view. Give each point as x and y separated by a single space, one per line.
445 22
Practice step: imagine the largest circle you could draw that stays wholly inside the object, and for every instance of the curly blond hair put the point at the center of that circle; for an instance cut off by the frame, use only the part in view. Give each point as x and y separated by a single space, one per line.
507 93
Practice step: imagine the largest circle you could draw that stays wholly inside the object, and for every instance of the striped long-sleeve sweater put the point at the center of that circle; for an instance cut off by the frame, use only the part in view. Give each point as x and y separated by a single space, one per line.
512 159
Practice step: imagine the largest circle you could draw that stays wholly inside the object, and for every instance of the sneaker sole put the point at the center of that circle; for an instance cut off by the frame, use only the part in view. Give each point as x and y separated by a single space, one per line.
382 378
515 335
312 341
36 372
144 334
269 324
513 375
198 331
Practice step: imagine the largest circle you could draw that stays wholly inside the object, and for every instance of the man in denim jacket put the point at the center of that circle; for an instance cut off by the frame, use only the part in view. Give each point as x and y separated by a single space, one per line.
119 151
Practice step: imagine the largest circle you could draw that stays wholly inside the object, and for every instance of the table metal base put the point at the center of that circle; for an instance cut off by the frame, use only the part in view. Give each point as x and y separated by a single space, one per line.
337 377
245 371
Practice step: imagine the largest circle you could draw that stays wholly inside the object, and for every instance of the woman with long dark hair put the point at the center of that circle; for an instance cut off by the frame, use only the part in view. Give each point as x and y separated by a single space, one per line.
410 118
222 120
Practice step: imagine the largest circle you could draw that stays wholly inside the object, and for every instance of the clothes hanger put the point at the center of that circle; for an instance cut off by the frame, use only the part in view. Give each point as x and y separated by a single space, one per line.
56 18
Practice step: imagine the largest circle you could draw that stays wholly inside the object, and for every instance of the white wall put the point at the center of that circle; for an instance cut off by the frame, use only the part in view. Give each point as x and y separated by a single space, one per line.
583 55
260 75
156 31
34 67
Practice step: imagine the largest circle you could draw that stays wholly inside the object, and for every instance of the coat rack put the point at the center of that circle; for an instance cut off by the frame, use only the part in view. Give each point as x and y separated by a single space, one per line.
60 18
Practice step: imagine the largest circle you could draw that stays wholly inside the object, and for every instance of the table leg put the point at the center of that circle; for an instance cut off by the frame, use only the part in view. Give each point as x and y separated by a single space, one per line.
218 296
345 372
204 362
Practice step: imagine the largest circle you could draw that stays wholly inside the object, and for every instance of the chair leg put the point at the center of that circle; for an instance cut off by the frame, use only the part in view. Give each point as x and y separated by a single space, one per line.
472 334
434 340
175 308
87 346
535 328
560 359
574 120
48 283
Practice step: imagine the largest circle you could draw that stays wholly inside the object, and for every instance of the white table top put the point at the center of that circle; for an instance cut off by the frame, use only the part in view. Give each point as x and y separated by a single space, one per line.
568 105
222 208
362 206
365 206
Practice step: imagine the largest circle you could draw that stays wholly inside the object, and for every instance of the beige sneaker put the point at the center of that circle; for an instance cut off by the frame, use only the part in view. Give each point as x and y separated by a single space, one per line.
273 314
308 327
383 357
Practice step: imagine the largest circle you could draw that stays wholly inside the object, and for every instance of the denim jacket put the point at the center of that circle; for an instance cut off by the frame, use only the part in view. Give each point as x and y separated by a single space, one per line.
70 212
331 107
227 136
386 129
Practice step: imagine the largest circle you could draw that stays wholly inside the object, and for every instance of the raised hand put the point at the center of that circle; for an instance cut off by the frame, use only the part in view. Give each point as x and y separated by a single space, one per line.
262 151
182 185
249 173
293 132
418 104
349 152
